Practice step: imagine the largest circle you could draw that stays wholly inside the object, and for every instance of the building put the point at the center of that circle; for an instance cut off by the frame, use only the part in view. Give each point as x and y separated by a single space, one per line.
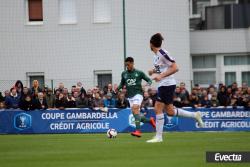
220 41
83 40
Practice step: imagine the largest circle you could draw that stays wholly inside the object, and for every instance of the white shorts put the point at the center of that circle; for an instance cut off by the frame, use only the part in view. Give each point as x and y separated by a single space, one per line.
137 100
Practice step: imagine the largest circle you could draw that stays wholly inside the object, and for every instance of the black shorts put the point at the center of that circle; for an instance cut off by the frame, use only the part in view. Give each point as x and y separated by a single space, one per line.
165 94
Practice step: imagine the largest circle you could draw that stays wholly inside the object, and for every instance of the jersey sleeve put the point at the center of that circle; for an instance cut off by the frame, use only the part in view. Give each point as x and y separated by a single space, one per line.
122 83
166 58
146 78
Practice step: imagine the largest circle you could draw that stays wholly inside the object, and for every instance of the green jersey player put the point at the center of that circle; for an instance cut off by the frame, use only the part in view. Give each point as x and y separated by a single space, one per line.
132 79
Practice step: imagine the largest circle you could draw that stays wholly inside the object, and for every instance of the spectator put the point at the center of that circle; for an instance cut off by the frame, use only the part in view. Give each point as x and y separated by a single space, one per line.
13 100
76 94
2 105
19 87
184 90
60 87
204 93
50 98
122 102
82 101
6 94
177 97
73 88
101 93
244 87
26 92
109 89
193 98
223 97
60 102
89 96
211 91
115 91
97 102
26 103
35 89
65 93
57 93
199 92
234 87
1 97
153 94
205 102
233 101
246 99
184 99
229 92
239 95
40 102
70 102
147 101
214 101
80 87
109 101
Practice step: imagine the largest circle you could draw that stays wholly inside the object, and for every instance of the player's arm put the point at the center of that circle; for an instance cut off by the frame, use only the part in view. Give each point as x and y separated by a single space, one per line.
171 70
122 83
151 71
146 78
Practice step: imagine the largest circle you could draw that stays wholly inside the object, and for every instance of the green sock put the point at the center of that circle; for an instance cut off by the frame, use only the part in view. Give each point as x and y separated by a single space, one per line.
137 121
144 119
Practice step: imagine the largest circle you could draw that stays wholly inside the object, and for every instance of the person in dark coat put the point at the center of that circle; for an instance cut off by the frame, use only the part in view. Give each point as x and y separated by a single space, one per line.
40 102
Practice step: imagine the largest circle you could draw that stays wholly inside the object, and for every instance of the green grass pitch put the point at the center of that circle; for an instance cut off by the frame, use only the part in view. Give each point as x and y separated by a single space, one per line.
96 150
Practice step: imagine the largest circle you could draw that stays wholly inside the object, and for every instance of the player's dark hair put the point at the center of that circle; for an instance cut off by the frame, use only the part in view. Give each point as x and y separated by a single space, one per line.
156 40
129 59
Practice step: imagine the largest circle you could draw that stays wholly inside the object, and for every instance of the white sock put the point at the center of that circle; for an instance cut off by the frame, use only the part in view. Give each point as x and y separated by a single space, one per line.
183 113
159 125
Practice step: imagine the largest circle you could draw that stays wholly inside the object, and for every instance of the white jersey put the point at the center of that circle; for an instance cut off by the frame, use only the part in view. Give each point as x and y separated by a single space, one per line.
162 61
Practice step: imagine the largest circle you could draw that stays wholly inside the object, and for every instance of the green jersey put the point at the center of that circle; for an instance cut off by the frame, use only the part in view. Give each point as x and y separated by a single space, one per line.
132 80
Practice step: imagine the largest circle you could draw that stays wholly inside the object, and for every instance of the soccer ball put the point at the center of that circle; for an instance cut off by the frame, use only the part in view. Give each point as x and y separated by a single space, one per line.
111 133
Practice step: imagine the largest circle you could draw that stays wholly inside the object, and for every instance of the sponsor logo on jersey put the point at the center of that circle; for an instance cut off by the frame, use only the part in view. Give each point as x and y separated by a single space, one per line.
131 82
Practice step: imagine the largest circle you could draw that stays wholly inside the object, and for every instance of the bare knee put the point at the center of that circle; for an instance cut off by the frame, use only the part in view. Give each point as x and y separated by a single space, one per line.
170 110
158 108
135 109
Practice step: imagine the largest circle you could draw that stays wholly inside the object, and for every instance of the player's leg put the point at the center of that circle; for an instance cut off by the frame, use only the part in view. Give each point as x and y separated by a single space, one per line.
136 112
172 111
158 108
135 103
164 97
150 120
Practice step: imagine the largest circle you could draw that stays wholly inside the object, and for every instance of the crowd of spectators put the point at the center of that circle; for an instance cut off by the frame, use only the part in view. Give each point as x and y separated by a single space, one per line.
61 97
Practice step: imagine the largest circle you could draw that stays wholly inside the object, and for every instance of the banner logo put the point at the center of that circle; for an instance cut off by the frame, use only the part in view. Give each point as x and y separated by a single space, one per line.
22 121
230 157
171 122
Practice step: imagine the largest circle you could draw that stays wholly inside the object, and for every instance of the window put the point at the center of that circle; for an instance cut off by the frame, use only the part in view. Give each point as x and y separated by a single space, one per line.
31 76
67 11
230 77
197 7
35 10
102 11
246 77
204 61
224 2
237 60
204 77
104 80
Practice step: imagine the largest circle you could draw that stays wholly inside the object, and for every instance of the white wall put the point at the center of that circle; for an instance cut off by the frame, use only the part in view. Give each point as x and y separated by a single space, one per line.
74 52
171 18
220 41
